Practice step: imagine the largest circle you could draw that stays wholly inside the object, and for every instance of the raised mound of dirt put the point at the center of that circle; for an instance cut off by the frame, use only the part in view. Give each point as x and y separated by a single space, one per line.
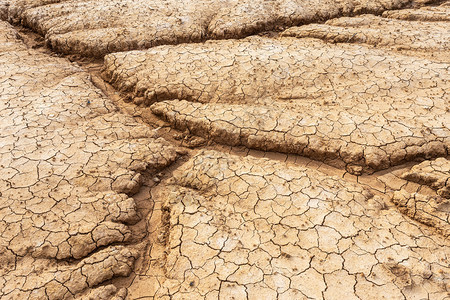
425 39
347 105
428 208
435 174
90 29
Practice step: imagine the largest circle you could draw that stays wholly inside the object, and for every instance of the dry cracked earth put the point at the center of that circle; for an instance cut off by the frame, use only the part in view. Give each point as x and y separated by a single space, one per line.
224 149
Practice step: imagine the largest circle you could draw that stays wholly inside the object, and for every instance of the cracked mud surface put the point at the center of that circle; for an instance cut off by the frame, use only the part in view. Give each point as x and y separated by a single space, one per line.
68 161
349 106
252 228
420 38
435 174
309 162
86 28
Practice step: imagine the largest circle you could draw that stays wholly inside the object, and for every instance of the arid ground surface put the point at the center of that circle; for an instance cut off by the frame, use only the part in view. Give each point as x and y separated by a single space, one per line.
224 149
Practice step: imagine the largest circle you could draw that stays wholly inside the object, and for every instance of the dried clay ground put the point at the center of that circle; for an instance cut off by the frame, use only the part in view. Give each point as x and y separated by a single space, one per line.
224 149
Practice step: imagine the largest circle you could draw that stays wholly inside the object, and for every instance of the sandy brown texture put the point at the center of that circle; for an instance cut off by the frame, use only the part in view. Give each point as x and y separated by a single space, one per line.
435 174
427 13
426 206
348 105
419 38
87 28
256 229
68 163
315 162
433 211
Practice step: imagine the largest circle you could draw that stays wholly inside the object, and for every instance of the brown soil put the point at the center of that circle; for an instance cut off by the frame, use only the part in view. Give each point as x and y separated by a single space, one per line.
307 162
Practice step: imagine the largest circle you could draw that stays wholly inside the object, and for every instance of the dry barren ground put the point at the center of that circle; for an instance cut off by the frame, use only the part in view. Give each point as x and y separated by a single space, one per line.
351 106
198 160
85 27
252 228
69 161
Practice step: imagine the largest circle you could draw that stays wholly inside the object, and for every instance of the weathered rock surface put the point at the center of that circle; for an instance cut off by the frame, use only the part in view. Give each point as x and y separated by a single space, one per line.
253 228
87 28
68 161
346 105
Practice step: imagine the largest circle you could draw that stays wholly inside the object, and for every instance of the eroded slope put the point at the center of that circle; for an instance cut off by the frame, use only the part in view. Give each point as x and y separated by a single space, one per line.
69 161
